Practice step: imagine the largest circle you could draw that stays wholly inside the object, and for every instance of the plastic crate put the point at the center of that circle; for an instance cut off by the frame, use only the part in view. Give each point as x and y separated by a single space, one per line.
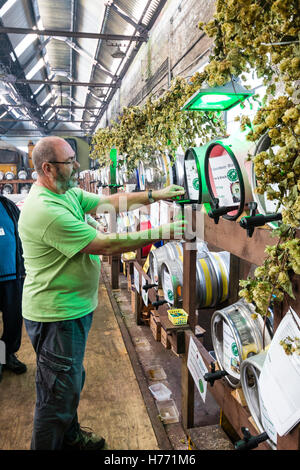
178 316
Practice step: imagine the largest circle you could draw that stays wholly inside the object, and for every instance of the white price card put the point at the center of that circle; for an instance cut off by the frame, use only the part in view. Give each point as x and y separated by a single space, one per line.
192 179
225 179
154 214
279 381
164 213
168 288
144 293
197 368
136 280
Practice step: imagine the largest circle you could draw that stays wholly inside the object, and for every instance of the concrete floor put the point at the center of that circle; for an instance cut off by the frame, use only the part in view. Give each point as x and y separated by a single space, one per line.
111 402
116 401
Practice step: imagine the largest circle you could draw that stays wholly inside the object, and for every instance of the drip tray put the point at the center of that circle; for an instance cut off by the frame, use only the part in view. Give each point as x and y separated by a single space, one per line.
168 411
156 373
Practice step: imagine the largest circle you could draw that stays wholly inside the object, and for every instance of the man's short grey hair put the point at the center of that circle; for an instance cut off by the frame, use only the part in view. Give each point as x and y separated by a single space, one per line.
44 151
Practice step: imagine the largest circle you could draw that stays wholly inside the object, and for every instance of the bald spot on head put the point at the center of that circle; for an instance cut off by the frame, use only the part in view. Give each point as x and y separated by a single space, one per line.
47 149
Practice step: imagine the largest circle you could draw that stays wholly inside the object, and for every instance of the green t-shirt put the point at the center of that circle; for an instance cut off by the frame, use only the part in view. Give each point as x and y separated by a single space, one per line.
61 282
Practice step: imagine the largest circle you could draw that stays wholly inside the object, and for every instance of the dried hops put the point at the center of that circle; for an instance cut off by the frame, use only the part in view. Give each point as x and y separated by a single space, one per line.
264 36
158 125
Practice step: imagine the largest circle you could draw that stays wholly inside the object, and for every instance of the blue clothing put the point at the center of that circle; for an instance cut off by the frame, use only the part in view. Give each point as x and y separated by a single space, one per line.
60 375
8 246
11 307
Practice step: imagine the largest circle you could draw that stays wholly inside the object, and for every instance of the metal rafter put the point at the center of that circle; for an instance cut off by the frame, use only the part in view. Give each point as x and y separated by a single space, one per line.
45 107
71 34
13 79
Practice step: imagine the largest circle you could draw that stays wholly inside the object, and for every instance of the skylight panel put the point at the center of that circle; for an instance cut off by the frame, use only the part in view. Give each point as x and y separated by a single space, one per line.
35 69
26 42
39 89
6 7
46 99
45 114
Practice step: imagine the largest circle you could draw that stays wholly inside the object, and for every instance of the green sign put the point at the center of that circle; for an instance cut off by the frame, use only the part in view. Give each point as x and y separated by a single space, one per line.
170 294
232 175
196 184
234 349
201 387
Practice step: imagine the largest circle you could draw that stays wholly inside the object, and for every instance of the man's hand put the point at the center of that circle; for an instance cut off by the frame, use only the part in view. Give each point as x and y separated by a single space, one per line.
168 193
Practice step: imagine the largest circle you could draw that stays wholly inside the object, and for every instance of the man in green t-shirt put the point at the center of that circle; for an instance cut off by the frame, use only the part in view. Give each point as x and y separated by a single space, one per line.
61 284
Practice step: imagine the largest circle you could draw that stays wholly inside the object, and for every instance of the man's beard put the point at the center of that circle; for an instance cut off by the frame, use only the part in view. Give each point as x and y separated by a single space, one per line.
65 183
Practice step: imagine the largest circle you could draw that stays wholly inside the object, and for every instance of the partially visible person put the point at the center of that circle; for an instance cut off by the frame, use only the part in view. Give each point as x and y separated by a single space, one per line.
11 285
61 288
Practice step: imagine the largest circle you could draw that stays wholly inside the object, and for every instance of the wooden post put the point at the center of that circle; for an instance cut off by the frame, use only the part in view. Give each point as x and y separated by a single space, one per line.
187 388
138 308
189 305
115 259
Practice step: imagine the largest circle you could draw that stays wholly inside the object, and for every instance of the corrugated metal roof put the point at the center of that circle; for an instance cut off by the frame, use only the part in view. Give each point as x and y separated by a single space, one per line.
65 59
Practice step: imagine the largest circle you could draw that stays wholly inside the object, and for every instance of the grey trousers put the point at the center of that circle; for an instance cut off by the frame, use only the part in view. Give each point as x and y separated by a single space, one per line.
60 376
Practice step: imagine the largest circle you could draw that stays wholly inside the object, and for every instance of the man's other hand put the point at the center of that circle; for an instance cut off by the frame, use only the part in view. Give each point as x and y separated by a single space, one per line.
170 192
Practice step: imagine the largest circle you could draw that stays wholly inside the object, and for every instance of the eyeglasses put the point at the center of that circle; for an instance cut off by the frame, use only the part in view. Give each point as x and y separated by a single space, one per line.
71 162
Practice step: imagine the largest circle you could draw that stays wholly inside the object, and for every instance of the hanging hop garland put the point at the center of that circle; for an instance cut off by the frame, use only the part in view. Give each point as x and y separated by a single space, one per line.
264 35
158 126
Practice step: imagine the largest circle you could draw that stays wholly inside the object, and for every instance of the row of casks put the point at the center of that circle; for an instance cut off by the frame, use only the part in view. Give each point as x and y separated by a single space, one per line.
239 336
221 171
21 174
240 341
160 173
218 170
212 274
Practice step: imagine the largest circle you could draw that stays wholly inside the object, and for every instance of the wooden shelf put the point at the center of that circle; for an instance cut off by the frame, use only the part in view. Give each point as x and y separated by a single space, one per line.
17 181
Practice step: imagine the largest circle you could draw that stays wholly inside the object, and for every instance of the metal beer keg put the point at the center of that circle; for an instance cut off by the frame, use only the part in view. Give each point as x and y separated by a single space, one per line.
236 335
250 372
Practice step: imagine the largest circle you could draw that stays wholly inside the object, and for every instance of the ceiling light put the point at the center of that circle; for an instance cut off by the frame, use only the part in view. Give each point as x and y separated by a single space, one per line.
118 54
219 98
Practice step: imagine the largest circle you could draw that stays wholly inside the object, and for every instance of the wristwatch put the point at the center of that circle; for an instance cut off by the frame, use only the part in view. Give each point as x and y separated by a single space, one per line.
150 196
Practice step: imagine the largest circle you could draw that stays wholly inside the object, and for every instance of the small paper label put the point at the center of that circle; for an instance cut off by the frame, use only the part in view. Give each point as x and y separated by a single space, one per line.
197 369
136 280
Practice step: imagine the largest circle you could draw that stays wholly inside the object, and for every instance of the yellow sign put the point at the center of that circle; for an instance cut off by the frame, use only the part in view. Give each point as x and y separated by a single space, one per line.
147 262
